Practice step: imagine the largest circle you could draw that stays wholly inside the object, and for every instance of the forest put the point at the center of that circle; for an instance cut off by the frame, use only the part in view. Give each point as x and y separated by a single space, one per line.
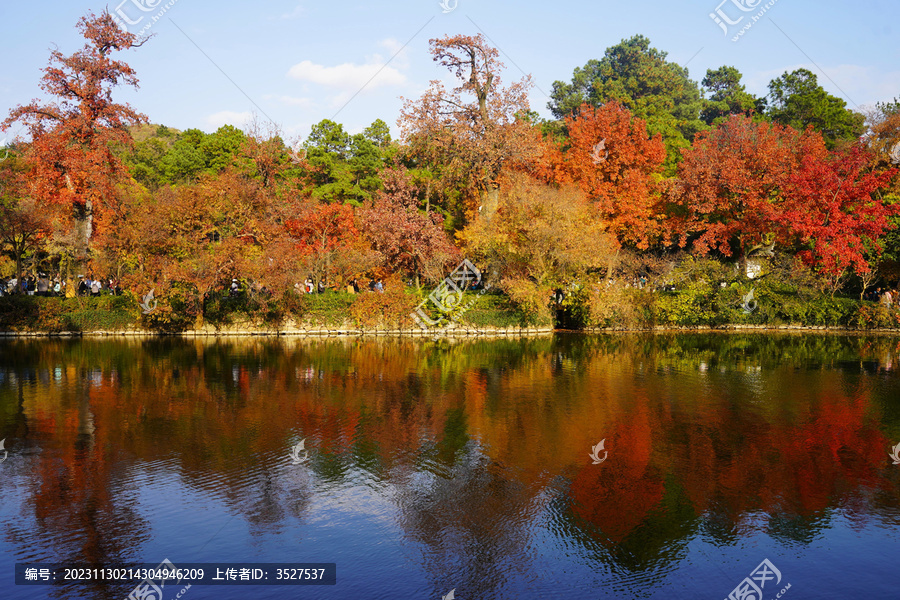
647 199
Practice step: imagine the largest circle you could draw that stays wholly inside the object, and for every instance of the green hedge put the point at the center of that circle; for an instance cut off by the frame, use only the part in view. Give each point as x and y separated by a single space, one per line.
35 313
493 309
693 303
704 303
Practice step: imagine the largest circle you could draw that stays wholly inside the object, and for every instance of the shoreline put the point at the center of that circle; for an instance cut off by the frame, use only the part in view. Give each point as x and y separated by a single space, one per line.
318 332
299 332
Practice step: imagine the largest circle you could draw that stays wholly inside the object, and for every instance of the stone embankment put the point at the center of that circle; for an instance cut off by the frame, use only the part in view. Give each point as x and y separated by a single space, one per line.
308 331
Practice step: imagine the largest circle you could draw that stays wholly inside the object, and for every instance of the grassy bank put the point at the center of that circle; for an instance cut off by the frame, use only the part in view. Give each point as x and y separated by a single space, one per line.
330 309
699 304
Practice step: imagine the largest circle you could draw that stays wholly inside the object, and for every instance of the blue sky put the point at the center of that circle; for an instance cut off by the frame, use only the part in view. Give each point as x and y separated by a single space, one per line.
300 61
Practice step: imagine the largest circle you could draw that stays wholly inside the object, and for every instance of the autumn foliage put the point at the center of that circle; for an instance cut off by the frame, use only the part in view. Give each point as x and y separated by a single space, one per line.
589 202
472 132
608 154
540 239
744 183
407 238
72 161
833 212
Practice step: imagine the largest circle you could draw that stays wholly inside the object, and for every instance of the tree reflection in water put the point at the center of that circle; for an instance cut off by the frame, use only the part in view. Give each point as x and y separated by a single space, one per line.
475 444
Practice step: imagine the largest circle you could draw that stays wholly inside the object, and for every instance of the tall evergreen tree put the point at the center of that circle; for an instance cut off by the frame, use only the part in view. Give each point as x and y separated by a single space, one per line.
640 78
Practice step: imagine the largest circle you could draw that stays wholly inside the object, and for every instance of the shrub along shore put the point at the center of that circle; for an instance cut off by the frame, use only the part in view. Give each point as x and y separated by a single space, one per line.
326 313
692 306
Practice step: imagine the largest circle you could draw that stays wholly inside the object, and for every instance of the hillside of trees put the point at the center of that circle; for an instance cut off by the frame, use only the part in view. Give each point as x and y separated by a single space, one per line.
647 199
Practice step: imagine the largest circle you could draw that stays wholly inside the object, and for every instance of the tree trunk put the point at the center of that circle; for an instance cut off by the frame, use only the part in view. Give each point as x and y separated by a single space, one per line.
89 225
84 226
612 265
18 262
490 201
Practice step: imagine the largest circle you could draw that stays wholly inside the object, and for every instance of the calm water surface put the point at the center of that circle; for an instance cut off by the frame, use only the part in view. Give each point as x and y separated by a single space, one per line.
460 465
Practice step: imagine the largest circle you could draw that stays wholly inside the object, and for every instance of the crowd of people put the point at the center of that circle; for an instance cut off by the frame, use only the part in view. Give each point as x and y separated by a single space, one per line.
41 284
238 287
353 287
886 297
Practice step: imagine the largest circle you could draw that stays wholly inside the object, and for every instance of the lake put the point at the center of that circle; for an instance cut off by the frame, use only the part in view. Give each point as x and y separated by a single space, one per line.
568 466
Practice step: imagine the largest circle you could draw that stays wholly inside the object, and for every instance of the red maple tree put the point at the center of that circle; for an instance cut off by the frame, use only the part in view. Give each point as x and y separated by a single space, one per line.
71 157
326 242
832 209
409 239
730 185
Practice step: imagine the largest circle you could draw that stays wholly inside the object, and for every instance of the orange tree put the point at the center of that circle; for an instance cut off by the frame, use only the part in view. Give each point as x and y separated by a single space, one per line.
72 166
607 153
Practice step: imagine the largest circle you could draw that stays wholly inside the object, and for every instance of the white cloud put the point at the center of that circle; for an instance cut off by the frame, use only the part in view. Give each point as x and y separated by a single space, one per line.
347 76
866 85
228 117
294 14
394 49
